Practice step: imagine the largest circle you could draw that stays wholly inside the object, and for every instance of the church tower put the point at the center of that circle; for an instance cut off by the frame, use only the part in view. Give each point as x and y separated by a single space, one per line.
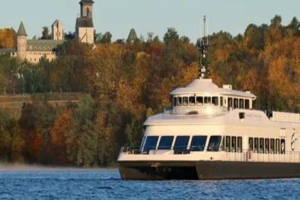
57 31
21 42
86 8
84 23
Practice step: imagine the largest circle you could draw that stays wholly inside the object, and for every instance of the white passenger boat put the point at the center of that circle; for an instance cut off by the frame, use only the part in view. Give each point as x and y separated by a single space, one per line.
213 132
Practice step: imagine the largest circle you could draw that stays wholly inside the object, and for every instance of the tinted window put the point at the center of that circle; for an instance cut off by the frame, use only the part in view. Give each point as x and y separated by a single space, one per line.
214 143
199 100
150 143
229 103
185 101
198 143
165 142
247 104
227 145
255 144
215 101
236 103
207 100
241 103
181 142
175 101
251 144
143 143
282 147
239 144
179 101
191 100
261 145
272 145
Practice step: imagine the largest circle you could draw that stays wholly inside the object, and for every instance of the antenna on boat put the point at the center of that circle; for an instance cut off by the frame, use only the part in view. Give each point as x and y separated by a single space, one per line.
203 48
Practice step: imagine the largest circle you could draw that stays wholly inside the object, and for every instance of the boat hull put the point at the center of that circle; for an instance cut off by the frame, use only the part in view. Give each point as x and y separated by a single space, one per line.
206 170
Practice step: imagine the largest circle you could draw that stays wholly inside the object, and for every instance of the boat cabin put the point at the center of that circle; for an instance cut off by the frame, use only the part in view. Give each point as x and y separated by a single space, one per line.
203 97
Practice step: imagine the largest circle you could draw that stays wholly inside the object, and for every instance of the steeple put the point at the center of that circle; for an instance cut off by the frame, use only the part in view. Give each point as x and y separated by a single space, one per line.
132 36
85 31
86 8
21 42
21 31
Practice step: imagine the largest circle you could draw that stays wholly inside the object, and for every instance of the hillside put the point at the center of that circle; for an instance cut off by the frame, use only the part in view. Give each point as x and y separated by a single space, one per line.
13 103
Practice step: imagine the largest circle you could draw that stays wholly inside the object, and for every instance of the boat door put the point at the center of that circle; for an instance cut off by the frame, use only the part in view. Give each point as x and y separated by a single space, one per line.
246 151
282 141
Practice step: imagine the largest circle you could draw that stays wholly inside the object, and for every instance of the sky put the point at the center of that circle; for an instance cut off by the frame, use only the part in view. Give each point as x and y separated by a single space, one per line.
119 16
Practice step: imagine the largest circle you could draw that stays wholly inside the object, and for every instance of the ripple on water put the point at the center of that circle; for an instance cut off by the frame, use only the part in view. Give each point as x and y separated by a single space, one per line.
106 184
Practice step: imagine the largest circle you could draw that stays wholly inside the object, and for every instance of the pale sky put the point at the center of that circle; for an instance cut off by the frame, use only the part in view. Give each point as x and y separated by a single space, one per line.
119 16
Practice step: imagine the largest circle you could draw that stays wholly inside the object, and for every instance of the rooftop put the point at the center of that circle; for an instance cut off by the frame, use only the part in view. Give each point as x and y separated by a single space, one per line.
84 22
86 1
207 86
21 31
43 45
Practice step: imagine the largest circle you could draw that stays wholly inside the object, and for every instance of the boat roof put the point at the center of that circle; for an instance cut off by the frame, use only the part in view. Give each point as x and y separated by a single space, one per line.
251 117
207 86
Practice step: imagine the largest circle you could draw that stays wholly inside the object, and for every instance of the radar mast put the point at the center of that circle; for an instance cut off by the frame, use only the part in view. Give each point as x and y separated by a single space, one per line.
203 48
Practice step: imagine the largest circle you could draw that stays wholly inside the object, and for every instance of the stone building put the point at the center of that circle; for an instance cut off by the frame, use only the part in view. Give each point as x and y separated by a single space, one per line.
85 31
35 49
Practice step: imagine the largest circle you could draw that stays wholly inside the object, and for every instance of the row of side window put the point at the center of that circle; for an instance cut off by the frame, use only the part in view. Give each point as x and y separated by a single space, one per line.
198 143
197 100
181 143
214 100
267 145
232 144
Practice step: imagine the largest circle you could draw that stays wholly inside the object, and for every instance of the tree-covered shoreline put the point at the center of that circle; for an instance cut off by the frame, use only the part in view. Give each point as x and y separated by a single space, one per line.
126 82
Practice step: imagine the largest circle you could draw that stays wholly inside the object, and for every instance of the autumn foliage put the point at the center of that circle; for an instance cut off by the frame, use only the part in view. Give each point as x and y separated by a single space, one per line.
7 38
127 82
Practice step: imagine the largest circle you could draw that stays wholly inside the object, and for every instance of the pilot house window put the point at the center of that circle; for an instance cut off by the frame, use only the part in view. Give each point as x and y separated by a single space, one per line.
247 104
215 101
198 143
191 100
207 100
214 143
150 143
165 142
199 101
185 101
181 143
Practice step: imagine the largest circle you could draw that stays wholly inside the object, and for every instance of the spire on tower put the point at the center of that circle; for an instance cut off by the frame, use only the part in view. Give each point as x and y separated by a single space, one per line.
21 31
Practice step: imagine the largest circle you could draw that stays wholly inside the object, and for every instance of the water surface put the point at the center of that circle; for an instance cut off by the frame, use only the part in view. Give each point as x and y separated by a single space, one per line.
106 184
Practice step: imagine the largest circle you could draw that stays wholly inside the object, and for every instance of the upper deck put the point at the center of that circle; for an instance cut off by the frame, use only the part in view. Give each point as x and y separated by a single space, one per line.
203 97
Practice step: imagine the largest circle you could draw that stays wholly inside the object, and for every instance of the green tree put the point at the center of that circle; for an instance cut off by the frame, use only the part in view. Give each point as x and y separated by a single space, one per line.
45 34
171 36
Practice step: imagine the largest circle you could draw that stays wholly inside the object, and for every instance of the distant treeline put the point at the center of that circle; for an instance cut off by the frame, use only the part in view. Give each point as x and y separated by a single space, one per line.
129 81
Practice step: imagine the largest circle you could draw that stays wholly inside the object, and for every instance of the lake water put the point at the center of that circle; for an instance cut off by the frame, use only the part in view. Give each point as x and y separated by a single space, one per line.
106 184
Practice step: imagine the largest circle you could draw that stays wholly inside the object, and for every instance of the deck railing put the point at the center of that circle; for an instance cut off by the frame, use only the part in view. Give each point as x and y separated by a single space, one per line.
250 156
242 155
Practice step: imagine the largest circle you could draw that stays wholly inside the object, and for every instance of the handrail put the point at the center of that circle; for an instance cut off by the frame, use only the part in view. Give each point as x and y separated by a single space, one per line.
241 155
